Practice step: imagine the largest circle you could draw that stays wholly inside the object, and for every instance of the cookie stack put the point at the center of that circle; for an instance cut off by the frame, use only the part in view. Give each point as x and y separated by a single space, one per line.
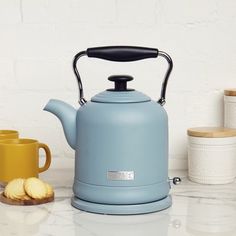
27 189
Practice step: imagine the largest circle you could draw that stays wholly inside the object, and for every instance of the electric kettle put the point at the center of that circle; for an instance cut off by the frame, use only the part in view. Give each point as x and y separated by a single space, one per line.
120 138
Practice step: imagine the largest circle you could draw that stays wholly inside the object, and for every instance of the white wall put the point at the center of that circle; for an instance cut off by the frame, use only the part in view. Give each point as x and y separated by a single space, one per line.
38 39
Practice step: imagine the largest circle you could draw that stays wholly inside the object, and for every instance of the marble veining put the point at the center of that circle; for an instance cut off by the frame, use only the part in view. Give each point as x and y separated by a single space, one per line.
197 210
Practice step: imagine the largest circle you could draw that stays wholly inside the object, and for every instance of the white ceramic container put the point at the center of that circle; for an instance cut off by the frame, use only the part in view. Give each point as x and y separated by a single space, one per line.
230 108
212 155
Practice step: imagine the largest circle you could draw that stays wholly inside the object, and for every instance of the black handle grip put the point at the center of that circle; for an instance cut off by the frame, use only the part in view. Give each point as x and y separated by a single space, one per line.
122 53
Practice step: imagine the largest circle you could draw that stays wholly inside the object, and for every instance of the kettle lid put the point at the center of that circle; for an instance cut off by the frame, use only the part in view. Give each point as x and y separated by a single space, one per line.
120 93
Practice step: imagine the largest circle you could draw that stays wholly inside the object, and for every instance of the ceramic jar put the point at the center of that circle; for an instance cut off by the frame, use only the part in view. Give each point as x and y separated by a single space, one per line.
211 155
230 108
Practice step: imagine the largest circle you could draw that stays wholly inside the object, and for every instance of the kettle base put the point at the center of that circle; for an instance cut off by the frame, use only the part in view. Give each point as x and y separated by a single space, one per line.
121 209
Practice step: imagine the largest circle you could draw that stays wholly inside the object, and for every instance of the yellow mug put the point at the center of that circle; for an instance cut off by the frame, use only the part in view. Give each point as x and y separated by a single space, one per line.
8 134
19 158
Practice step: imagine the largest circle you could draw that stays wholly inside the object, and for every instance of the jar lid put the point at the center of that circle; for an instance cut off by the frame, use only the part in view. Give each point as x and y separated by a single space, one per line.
211 132
230 92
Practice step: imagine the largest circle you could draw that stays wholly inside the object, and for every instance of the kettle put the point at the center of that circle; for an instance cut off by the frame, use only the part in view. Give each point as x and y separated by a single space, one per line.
120 138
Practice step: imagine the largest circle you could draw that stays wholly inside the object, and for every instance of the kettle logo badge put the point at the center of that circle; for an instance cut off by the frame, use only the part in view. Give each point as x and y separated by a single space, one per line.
120 175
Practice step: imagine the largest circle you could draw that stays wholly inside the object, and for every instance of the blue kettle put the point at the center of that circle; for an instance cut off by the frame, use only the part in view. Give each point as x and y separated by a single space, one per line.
120 138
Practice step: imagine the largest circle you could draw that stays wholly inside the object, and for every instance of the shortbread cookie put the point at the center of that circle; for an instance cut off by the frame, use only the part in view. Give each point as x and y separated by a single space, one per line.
35 188
49 190
15 189
26 197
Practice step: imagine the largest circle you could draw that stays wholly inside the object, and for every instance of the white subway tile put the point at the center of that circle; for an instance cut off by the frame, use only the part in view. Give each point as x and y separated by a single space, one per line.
38 74
226 11
27 40
132 12
67 11
10 12
7 74
188 12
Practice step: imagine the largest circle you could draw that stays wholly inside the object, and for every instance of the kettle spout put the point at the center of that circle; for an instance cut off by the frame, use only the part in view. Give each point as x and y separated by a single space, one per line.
67 115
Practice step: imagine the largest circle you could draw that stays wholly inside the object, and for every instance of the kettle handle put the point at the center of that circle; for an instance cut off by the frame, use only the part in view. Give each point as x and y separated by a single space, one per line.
123 54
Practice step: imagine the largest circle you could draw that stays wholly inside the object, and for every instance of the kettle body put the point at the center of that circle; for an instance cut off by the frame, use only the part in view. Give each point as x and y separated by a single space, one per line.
122 153
120 139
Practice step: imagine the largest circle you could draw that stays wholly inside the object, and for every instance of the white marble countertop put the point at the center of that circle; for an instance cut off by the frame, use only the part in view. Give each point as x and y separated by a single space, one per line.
197 210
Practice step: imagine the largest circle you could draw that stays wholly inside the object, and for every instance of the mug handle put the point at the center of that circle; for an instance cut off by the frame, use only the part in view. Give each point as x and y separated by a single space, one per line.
48 157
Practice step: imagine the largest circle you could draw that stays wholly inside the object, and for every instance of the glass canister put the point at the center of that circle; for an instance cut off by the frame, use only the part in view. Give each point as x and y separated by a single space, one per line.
230 108
211 155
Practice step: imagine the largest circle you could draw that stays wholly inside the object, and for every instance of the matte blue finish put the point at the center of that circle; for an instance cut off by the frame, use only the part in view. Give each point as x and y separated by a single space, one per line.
120 195
67 115
120 97
122 209
117 131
